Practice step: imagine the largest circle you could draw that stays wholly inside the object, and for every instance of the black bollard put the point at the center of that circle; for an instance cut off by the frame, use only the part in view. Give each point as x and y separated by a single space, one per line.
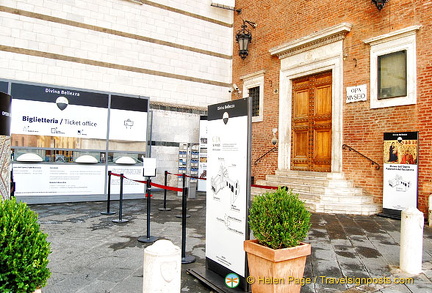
185 259
183 195
120 219
148 238
108 212
165 194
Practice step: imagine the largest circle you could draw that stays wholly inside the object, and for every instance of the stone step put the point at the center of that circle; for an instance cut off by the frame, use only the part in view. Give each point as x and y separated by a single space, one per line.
331 195
306 174
323 192
365 209
315 187
274 180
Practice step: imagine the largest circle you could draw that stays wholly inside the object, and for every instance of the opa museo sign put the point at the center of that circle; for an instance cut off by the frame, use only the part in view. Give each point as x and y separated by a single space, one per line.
356 93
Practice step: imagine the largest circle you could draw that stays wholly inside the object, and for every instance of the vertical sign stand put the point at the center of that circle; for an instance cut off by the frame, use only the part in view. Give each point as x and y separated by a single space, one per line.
149 170
228 195
400 184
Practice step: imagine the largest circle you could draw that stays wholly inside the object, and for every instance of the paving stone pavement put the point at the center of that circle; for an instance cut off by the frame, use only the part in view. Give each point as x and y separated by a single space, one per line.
92 254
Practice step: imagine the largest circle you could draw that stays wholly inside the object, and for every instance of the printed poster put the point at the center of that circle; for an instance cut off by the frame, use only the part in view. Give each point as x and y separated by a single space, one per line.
400 170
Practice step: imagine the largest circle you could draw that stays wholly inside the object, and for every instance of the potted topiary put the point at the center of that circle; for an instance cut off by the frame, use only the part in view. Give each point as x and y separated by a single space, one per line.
24 249
280 222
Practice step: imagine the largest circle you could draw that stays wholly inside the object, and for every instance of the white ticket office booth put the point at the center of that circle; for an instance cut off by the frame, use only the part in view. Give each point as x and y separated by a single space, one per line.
64 141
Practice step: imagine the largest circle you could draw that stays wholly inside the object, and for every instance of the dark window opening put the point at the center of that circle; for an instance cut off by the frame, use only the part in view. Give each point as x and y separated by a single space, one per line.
392 75
254 94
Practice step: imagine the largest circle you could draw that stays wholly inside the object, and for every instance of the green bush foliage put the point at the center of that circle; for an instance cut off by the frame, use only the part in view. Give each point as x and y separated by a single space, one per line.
279 219
24 249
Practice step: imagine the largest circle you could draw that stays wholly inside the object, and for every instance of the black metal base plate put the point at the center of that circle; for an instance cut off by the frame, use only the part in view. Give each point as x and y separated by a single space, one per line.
107 213
180 216
188 259
120 221
165 209
392 214
212 280
146 239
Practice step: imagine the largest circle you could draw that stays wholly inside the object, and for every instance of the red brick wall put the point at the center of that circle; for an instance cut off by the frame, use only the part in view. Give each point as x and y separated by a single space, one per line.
283 21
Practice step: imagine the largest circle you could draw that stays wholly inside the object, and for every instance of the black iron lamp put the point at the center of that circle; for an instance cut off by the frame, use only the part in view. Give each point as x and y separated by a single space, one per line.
244 38
380 3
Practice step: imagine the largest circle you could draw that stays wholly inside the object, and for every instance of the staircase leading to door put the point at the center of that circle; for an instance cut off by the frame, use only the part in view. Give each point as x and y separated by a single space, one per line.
323 192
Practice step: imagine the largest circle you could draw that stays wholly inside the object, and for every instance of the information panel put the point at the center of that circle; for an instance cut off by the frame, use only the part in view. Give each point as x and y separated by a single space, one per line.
228 185
43 110
400 171
128 118
56 179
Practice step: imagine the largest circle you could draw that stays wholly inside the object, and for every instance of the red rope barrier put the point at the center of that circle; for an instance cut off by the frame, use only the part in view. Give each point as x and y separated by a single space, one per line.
180 189
264 186
118 175
151 184
166 187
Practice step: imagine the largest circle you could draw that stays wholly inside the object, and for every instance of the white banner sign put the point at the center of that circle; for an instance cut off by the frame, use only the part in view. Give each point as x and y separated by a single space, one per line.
227 184
56 179
128 125
73 179
41 118
128 118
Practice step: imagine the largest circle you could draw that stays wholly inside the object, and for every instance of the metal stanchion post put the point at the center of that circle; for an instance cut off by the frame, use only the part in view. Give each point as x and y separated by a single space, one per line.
183 195
148 238
108 212
189 258
165 194
120 219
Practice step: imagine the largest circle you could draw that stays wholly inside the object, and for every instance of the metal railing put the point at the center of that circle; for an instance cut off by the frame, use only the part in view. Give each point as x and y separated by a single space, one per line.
265 154
377 166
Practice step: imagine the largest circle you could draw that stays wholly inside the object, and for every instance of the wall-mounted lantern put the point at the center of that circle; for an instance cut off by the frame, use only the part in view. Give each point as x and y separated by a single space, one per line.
244 38
380 3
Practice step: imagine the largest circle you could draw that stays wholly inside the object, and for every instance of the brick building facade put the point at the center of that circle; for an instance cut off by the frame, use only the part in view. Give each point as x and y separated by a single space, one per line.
294 43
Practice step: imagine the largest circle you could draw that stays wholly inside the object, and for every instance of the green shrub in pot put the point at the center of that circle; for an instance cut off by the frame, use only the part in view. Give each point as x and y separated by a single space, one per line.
24 249
279 219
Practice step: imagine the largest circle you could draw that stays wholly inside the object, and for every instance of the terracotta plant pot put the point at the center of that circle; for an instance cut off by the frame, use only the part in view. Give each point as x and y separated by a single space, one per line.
279 270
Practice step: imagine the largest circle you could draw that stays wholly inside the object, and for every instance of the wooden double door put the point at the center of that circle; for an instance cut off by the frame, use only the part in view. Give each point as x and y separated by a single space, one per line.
311 123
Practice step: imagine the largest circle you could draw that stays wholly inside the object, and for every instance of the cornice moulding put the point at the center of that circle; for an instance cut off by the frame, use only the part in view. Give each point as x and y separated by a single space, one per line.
411 30
314 40
252 75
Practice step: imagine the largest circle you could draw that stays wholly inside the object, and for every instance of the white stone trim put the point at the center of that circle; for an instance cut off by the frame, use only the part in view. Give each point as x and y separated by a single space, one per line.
404 39
317 39
319 57
253 80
